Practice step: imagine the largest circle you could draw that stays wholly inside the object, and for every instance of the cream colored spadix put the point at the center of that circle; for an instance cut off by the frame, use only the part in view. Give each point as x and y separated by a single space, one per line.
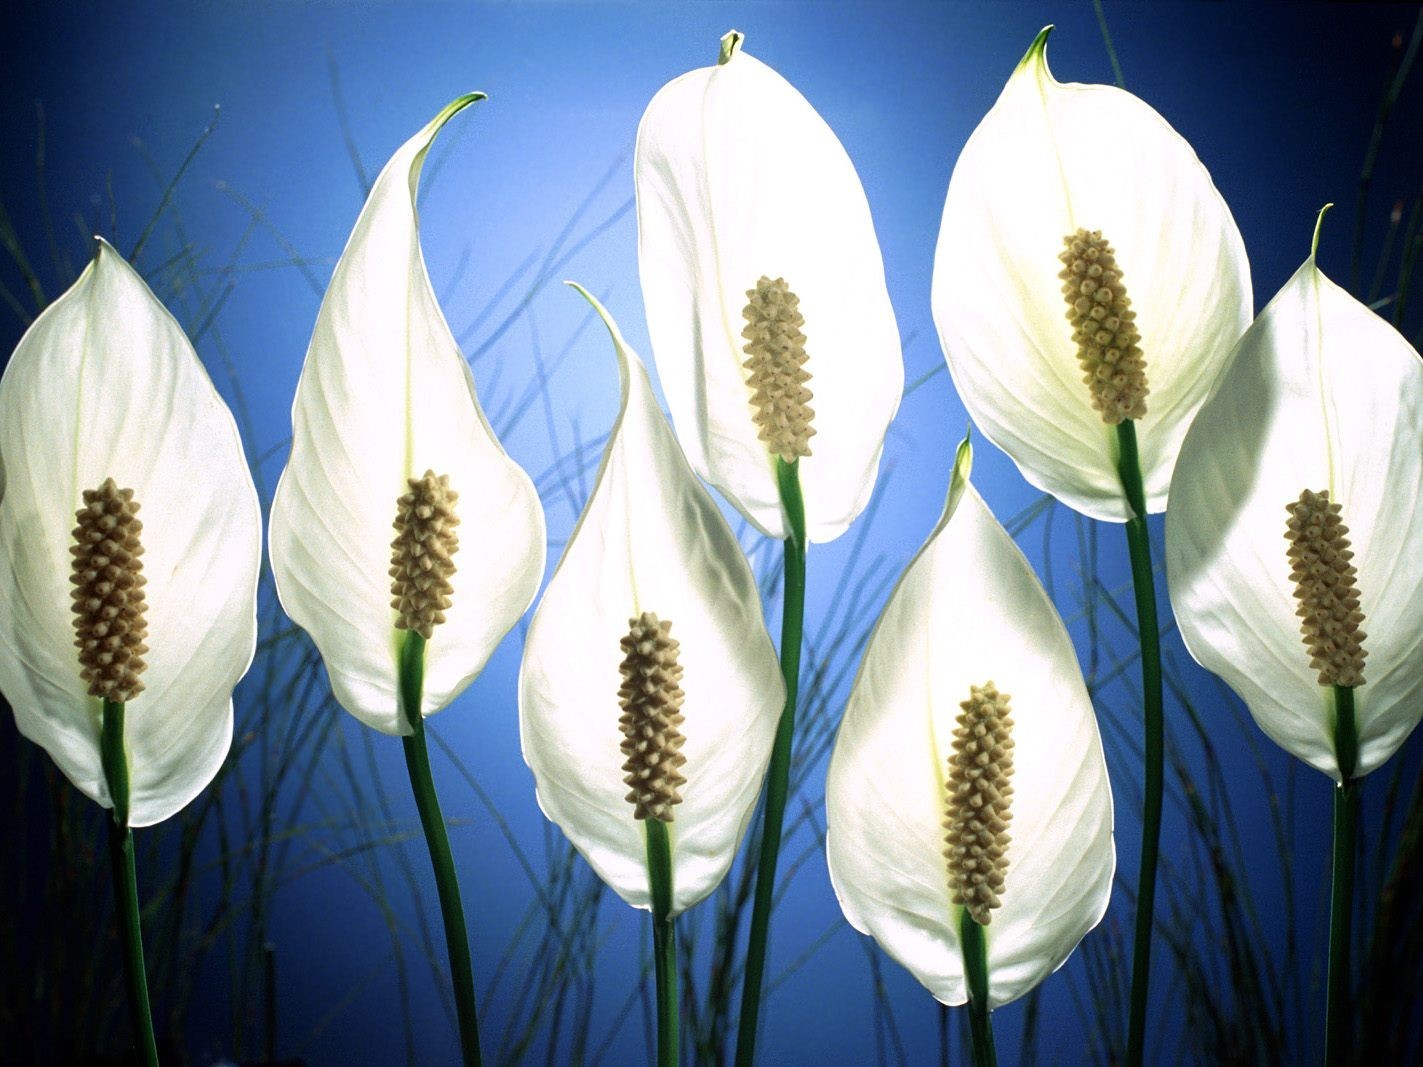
105 385
650 540
1050 160
740 181
386 395
1323 396
969 610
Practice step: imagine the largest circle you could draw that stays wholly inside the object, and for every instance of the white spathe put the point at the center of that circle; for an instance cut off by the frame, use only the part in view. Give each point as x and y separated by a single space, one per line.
737 176
105 384
1322 394
384 395
969 610
1049 158
650 539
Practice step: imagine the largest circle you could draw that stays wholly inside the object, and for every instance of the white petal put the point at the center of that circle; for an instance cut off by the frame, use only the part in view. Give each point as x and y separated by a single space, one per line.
105 384
969 610
738 177
1047 159
649 539
386 394
1322 394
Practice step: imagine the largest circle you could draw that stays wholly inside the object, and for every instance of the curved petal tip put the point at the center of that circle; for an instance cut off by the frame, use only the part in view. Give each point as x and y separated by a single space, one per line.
1037 51
731 43
959 478
1318 225
620 348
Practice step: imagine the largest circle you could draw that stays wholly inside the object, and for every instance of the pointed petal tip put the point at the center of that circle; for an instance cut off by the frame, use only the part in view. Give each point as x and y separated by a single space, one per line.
958 478
963 457
1318 225
620 348
1037 51
454 107
731 43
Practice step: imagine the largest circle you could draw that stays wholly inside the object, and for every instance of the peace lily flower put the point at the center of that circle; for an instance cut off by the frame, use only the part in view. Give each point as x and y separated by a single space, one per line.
967 777
106 413
1295 552
1321 413
760 267
386 396
650 543
387 433
1056 178
122 637
775 341
652 587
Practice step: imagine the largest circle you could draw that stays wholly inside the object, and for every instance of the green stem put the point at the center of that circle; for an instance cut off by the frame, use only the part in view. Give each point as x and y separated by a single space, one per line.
1149 633
664 940
115 764
980 1020
778 775
1341 903
417 761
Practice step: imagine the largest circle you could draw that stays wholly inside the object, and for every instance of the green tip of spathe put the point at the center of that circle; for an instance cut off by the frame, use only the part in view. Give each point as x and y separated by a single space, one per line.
455 106
731 43
963 458
1318 225
958 477
1037 51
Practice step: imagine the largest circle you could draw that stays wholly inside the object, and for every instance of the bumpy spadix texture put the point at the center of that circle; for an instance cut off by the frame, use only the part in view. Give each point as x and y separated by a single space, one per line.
969 608
104 385
979 795
1326 586
1322 395
650 539
775 347
1051 160
422 554
1103 327
651 701
109 623
385 393
737 179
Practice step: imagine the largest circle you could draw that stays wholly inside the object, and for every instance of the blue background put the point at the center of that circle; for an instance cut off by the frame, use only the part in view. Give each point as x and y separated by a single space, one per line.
535 185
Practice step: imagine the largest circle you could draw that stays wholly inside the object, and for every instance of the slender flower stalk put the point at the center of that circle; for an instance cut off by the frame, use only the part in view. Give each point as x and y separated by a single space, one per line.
1153 740
1341 897
975 848
432 821
1083 194
664 941
1321 416
653 587
778 776
403 626
121 639
975 962
125 878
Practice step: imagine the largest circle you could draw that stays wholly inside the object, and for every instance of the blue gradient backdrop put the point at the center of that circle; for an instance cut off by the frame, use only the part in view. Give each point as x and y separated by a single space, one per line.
1277 100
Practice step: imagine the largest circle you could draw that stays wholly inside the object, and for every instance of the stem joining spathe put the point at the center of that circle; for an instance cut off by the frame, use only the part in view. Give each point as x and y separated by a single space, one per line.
417 762
125 876
664 940
1341 902
778 775
1148 630
975 958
